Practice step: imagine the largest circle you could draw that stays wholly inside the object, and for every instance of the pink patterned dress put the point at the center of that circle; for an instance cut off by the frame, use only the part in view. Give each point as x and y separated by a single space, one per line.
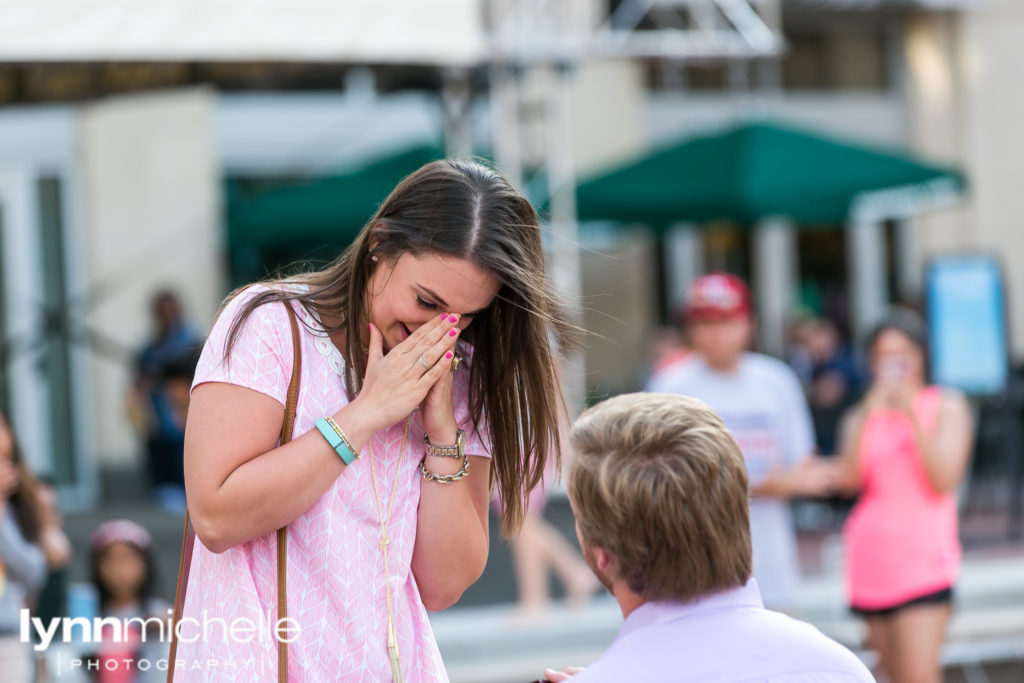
335 578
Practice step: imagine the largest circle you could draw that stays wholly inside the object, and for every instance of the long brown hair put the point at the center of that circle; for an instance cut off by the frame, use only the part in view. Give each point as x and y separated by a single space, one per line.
465 210
24 500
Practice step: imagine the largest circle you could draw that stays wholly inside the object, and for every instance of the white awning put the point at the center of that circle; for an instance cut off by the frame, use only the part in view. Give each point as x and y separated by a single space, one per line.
884 4
436 32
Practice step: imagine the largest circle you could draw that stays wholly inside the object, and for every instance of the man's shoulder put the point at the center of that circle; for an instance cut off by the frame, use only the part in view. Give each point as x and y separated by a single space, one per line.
809 650
678 375
729 645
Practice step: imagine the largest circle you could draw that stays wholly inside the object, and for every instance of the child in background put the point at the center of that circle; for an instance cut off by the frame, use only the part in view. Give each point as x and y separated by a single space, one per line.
176 383
124 577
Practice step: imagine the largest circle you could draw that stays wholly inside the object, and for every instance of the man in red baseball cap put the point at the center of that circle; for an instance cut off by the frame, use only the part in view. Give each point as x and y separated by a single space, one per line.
763 405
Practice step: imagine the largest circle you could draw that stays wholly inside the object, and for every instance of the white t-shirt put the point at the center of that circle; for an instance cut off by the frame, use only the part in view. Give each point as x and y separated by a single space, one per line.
765 410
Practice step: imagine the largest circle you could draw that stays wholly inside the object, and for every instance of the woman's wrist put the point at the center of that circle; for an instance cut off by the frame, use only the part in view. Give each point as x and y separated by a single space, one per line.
443 436
441 465
356 421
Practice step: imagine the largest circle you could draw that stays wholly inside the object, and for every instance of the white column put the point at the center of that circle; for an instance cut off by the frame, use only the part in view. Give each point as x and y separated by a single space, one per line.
909 264
505 136
776 277
455 97
684 262
865 259
22 310
565 244
84 494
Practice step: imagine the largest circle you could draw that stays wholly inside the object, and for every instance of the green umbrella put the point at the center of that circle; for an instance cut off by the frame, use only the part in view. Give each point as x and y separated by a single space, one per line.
753 171
327 211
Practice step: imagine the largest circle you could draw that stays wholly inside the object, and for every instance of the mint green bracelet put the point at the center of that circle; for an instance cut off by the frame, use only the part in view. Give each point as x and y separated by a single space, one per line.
334 439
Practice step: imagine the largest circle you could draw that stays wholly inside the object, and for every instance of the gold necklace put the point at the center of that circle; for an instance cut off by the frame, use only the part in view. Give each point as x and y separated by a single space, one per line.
385 540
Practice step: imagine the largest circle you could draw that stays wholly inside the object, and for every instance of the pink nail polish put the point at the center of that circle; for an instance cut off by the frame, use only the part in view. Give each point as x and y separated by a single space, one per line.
443 315
453 319
448 355
452 333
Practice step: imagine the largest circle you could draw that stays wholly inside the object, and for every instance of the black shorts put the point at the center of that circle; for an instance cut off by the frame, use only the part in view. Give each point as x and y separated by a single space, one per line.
939 597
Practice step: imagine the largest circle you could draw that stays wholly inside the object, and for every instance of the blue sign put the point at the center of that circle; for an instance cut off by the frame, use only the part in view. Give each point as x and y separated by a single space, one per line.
967 324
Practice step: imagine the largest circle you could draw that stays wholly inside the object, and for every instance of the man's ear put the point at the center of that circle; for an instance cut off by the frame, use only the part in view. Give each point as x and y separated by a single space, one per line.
606 562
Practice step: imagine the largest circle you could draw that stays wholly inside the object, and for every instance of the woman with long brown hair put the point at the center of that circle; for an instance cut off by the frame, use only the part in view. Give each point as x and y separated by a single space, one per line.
22 561
427 377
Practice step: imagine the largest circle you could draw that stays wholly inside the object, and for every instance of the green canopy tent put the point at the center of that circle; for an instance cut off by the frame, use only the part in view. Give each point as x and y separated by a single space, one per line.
757 170
762 170
330 209
272 225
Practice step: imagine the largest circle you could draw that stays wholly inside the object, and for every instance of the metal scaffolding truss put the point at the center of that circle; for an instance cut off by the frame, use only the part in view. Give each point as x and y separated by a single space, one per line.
690 28
530 31
551 37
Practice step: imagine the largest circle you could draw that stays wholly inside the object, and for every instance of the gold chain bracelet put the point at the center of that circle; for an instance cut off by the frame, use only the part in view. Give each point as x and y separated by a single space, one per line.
344 437
445 478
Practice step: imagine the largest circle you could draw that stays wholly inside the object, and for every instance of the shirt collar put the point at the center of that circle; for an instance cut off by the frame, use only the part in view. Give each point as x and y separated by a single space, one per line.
653 613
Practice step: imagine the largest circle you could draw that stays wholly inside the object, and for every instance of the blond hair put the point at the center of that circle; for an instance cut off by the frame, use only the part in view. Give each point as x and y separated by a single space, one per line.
657 481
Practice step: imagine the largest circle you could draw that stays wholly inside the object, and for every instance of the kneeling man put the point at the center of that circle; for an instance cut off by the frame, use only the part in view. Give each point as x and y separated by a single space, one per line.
660 494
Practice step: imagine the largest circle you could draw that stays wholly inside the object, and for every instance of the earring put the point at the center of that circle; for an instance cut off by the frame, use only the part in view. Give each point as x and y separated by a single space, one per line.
374 258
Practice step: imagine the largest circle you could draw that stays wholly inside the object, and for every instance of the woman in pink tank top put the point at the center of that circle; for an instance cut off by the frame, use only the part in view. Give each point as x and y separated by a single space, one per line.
904 448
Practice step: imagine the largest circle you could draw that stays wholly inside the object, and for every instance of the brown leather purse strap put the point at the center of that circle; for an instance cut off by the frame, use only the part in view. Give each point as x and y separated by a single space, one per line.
189 535
287 432
184 565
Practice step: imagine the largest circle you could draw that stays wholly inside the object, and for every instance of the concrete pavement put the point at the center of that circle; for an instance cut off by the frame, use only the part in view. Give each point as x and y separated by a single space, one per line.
483 642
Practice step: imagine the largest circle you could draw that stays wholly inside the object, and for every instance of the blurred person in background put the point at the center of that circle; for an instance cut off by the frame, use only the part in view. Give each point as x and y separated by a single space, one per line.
660 494
124 576
176 384
835 381
761 401
904 448
798 352
427 376
22 560
150 407
667 346
664 349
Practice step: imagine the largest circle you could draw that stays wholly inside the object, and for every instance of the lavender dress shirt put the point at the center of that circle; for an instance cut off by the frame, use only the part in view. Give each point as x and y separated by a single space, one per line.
729 636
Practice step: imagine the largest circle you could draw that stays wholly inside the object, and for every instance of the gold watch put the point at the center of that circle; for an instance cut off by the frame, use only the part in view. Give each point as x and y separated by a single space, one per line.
456 451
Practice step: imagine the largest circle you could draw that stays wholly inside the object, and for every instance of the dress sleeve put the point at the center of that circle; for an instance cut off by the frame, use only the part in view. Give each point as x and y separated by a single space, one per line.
261 358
